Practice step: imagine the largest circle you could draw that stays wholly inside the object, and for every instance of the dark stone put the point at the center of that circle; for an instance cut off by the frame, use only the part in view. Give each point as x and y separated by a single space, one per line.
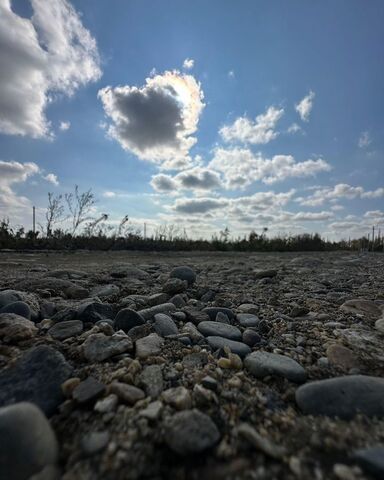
213 311
248 319
262 364
264 273
127 319
151 379
36 378
149 313
371 459
239 348
250 337
164 325
195 316
9 296
19 308
219 329
343 397
184 273
92 312
63 330
195 360
89 390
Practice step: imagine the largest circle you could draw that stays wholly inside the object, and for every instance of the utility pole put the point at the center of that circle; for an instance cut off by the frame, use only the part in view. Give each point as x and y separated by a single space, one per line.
145 230
34 220
373 238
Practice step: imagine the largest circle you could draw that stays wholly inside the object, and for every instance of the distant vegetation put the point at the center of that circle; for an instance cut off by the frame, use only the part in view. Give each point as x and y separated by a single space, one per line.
83 230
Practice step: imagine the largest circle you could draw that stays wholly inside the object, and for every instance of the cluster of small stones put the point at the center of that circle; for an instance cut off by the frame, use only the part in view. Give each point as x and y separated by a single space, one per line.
235 366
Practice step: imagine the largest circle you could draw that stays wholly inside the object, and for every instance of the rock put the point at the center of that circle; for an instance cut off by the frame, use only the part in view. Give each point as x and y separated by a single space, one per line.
158 299
127 393
250 337
195 360
184 273
249 308
14 328
379 325
122 271
63 330
262 364
177 397
164 325
210 383
178 301
27 442
68 274
140 331
343 397
92 312
127 319
341 356
9 296
69 385
76 292
238 348
260 443
105 291
107 404
264 273
218 329
192 332
175 285
94 442
196 316
98 347
19 308
191 432
151 379
153 410
361 306
88 391
36 378
222 318
371 459
213 311
148 346
149 313
248 319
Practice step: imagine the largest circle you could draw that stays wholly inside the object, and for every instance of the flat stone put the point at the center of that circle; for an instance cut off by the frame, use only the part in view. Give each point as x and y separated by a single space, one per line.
184 273
36 378
105 291
127 393
92 312
140 331
158 299
341 356
151 379
99 347
14 328
63 330
361 306
264 273
148 346
191 432
94 442
19 308
213 311
127 319
262 364
178 301
249 308
196 316
178 397
371 459
123 271
66 273
27 442
238 348
88 391
218 329
164 325
343 397
248 319
149 313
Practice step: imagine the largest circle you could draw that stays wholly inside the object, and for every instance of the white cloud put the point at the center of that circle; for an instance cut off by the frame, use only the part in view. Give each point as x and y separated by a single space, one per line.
52 178
156 122
188 64
198 205
260 131
231 74
12 173
304 107
64 126
294 128
109 194
195 179
242 167
376 215
341 190
48 54
364 140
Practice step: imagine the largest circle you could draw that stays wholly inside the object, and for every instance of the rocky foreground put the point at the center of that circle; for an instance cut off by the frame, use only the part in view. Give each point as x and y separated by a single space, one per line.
117 366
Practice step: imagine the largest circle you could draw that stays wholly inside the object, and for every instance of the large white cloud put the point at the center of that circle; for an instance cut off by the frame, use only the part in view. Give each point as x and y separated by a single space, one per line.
339 191
12 173
260 131
156 121
304 107
196 179
47 54
241 167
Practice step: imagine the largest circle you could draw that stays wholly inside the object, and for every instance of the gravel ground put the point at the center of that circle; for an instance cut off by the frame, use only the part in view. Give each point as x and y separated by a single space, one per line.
134 372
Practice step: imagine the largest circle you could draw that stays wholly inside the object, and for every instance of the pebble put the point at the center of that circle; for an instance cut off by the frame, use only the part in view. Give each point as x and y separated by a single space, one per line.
99 347
9 296
94 442
126 393
341 356
379 325
360 305
174 286
88 391
213 311
218 329
343 397
36 378
257 274
19 308
127 319
148 346
149 313
152 411
259 442
105 291
63 330
27 442
261 364
371 459
184 273
191 432
248 319
92 312
250 337
164 325
236 347
107 404
14 328
178 301
151 379
177 397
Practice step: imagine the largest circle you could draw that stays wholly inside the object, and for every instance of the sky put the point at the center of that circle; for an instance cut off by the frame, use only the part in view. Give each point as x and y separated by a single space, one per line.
204 115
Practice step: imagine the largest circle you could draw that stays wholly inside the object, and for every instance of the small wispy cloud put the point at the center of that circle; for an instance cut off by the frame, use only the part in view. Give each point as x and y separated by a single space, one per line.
364 140
304 107
52 178
231 74
64 126
188 64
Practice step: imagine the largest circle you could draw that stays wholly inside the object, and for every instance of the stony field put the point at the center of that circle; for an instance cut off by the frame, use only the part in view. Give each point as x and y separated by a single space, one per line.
191 366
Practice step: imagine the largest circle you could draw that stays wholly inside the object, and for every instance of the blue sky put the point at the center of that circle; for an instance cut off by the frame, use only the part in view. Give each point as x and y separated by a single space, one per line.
205 114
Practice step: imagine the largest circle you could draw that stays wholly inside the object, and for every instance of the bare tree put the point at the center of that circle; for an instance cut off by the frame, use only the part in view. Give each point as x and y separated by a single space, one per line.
54 212
90 228
122 226
80 206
